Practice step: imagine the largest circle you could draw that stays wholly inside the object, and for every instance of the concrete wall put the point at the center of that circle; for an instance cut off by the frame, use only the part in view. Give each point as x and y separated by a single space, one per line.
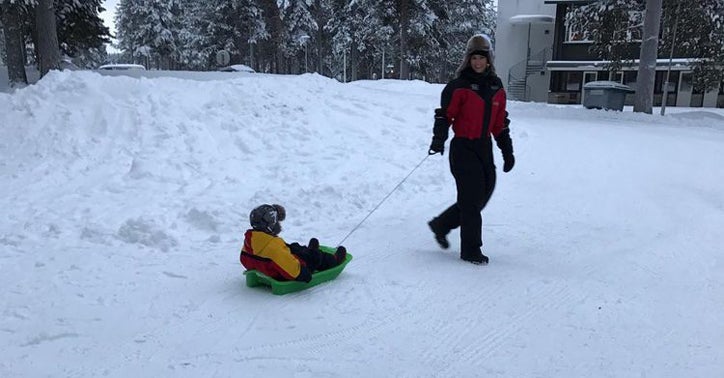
511 41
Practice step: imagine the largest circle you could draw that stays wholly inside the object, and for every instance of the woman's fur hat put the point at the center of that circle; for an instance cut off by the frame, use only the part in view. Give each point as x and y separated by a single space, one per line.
477 44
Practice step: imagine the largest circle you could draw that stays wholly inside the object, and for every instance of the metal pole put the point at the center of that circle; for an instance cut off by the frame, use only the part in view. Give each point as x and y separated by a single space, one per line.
306 67
665 97
383 63
344 63
527 62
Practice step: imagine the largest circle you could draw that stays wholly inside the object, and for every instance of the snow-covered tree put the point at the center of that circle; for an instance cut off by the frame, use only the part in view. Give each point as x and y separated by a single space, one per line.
194 50
270 50
149 29
300 26
35 18
319 45
127 22
699 34
81 32
360 34
234 26
457 21
614 24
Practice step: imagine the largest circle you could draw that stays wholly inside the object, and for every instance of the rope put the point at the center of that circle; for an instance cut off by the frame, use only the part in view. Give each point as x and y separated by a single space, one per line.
384 199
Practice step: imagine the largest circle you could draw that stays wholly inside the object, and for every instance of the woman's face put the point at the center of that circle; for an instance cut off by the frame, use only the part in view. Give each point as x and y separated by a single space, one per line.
479 63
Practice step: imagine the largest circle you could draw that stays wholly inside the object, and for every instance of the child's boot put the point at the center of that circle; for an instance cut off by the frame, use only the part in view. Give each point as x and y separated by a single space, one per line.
341 254
313 244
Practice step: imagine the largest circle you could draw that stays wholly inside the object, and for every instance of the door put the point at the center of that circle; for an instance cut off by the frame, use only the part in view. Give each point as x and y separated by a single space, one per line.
685 88
587 78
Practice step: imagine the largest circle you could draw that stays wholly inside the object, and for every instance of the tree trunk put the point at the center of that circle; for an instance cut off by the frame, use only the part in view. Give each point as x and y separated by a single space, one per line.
403 7
273 20
48 49
13 30
353 62
644 98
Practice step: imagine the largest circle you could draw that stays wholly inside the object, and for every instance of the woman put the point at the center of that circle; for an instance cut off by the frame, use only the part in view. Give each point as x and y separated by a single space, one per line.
474 103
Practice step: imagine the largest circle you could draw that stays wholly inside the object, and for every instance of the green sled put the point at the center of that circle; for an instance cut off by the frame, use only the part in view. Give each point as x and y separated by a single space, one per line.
255 278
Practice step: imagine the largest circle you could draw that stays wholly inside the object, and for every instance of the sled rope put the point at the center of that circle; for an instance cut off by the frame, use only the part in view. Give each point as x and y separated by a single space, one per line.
384 199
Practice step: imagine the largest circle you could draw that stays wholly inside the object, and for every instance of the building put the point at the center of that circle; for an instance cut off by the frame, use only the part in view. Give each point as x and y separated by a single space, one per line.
544 61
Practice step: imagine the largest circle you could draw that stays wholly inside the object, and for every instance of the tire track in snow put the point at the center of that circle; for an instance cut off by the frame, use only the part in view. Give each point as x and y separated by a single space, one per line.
474 355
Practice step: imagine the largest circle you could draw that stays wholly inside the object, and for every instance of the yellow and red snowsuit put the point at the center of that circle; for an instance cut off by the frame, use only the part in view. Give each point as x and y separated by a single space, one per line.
270 255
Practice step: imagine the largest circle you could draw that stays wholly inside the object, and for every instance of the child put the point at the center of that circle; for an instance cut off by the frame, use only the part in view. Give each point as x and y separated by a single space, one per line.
268 253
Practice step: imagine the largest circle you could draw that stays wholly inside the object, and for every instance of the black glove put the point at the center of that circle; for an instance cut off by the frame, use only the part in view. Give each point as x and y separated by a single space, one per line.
437 145
508 162
506 147
439 133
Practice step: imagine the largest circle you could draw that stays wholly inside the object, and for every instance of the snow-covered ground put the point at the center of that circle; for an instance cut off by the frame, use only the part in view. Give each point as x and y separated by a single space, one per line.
125 200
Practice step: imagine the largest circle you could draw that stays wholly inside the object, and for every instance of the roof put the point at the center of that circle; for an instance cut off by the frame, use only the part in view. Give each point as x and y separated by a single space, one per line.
567 1
678 64
532 19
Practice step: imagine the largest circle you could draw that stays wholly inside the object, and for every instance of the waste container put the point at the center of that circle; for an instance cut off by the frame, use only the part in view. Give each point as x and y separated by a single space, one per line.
608 95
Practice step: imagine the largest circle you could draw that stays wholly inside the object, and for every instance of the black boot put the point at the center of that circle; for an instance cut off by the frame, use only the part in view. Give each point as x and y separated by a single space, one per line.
440 236
340 254
313 244
477 258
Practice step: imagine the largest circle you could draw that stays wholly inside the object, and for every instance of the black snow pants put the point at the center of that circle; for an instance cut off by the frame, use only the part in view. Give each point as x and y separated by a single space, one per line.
472 165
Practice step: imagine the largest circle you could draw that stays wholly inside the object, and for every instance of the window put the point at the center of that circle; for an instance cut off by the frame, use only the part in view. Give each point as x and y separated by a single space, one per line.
573 81
661 78
589 77
575 33
616 76
629 78
686 82
566 81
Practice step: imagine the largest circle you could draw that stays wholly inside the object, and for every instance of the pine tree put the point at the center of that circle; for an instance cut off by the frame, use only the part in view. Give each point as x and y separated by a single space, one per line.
700 34
81 32
234 26
149 30
271 49
359 34
456 22
194 50
612 25
300 26
127 23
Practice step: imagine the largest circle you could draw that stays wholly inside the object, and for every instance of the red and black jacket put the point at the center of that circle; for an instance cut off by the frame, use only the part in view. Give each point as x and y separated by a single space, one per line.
475 105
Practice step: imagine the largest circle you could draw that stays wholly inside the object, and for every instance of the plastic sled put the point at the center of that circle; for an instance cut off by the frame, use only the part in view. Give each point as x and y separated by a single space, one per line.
255 278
